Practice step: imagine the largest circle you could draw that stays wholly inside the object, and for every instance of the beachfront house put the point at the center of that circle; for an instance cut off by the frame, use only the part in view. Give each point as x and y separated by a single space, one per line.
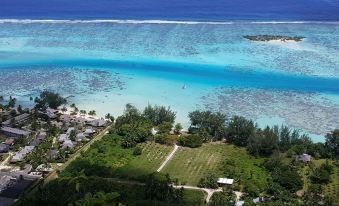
224 181
97 123
303 158
51 113
14 132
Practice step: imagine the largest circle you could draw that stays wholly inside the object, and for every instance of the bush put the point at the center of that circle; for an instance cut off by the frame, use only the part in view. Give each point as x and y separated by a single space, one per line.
251 189
192 141
210 181
137 151
322 175
163 139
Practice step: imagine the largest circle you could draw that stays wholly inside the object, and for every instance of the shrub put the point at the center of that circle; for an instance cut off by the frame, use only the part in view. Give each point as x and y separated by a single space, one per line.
210 181
137 151
192 141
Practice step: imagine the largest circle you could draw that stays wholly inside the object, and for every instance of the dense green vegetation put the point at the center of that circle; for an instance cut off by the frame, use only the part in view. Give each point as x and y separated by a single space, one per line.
49 99
262 162
64 191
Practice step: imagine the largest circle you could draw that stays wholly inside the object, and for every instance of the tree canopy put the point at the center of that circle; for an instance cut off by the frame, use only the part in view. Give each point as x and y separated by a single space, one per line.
49 99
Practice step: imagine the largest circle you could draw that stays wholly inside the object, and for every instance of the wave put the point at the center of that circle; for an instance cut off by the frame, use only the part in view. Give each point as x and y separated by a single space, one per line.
294 22
63 21
130 21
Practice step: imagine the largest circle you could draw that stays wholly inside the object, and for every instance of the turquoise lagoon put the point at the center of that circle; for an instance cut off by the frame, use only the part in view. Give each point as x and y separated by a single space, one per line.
103 65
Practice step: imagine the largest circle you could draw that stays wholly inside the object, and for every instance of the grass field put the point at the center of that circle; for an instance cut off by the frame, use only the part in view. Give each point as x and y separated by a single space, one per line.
107 158
149 161
190 165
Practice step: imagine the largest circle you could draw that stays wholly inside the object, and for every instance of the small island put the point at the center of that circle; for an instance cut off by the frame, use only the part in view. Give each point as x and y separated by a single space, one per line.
273 38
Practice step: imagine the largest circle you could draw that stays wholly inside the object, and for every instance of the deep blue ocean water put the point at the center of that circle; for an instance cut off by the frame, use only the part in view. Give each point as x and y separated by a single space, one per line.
306 10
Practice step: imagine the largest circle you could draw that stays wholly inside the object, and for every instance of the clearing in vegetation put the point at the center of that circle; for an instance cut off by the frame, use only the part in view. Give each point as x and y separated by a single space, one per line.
190 165
106 158
153 154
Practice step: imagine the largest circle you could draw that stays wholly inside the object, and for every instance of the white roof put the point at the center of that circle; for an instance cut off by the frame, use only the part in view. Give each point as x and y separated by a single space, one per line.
69 130
225 181
62 137
67 144
89 131
153 131
239 203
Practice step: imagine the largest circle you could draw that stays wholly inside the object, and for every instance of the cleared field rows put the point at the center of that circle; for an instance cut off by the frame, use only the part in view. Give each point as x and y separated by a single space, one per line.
189 165
152 156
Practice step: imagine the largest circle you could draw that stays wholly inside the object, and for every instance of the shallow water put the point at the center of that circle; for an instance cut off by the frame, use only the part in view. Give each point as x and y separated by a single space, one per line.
105 65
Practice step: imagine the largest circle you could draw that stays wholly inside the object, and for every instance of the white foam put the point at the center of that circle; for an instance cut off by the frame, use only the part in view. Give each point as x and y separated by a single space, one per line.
63 21
294 22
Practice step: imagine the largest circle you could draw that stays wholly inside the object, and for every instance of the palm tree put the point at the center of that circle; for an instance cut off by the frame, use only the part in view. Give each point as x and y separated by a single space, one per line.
92 113
80 177
64 109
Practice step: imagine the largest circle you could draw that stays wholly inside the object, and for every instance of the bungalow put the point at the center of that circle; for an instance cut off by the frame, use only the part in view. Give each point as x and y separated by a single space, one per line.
97 123
303 158
4 148
35 142
68 144
51 113
66 118
19 156
69 130
13 132
62 137
52 154
89 132
19 119
225 181
41 135
44 168
9 141
57 124
80 120
80 137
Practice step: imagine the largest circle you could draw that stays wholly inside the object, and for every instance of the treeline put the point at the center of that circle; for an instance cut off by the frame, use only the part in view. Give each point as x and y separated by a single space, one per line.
212 126
136 126
88 191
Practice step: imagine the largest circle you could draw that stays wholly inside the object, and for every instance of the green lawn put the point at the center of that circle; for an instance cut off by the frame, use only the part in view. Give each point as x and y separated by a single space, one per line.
153 154
106 158
189 165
